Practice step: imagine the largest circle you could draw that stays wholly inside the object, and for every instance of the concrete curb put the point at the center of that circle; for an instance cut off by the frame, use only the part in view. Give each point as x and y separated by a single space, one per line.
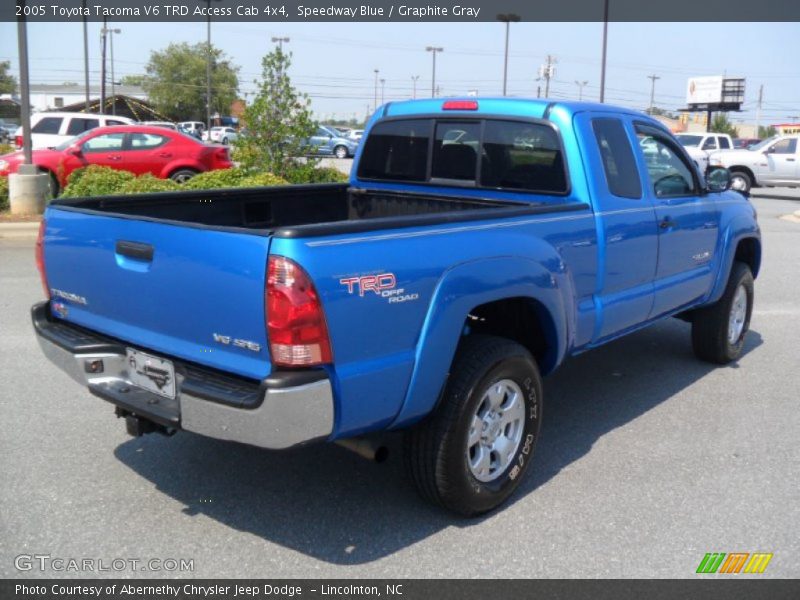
25 230
776 193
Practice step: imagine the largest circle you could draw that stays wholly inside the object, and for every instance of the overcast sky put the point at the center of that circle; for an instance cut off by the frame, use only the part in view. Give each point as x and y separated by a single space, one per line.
334 62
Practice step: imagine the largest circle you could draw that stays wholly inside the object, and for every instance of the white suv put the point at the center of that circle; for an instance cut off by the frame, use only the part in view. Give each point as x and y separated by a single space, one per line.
775 161
49 129
700 145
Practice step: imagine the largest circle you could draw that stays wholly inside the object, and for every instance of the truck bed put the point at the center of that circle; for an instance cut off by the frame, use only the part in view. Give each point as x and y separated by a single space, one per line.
301 210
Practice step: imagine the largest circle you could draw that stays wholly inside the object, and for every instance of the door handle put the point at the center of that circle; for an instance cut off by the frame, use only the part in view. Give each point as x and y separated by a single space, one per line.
136 250
165 155
789 160
667 224
114 157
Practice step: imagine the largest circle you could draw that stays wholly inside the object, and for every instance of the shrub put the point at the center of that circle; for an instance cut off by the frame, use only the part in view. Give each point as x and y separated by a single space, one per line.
308 173
230 178
4 193
96 181
147 183
6 149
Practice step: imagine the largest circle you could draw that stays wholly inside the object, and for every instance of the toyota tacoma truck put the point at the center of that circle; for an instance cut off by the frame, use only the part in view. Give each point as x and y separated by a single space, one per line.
476 246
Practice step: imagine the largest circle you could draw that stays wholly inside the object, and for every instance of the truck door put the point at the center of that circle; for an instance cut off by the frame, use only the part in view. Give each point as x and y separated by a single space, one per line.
626 225
688 223
781 162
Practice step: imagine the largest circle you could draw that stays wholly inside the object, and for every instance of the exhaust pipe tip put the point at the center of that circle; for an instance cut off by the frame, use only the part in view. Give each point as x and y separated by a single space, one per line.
365 449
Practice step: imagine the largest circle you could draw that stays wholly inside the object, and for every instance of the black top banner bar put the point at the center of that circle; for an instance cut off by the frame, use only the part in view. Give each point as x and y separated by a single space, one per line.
402 11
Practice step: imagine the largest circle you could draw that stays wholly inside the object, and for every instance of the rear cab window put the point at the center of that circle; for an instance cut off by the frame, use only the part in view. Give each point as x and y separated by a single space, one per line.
48 125
78 125
495 154
619 164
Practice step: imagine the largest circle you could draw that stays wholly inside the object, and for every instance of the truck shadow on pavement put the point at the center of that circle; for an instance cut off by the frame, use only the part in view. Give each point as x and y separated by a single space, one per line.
334 506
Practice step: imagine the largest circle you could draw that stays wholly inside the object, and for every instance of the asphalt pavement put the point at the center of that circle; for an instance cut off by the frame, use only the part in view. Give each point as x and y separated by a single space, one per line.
648 459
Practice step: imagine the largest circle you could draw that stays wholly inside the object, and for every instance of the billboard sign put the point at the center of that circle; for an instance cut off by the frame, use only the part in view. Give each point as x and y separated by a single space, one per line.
704 90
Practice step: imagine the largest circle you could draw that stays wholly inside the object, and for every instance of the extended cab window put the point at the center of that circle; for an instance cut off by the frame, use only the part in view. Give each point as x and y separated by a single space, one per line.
724 144
669 174
710 144
396 150
49 125
622 174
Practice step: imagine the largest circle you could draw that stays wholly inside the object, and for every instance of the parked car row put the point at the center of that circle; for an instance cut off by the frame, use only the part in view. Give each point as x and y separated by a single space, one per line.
162 152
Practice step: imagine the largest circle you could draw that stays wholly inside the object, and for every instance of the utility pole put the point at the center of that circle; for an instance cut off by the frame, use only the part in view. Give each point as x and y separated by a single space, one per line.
652 79
605 48
376 89
103 70
280 41
580 85
111 32
208 68
758 109
434 50
507 19
547 71
414 79
85 55
24 88
383 90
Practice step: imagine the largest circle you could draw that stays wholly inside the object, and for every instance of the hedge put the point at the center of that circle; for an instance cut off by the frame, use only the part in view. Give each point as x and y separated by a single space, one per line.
105 181
4 193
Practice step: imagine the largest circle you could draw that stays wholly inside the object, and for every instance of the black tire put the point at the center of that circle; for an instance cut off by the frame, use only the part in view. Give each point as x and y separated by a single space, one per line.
340 152
436 451
224 141
52 184
711 338
182 175
741 182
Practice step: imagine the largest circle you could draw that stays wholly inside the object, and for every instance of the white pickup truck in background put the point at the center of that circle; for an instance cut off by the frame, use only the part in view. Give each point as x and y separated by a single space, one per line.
773 162
700 145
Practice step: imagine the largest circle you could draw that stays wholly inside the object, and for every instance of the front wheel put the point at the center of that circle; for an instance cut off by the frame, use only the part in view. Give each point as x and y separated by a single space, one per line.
741 182
340 152
719 330
474 450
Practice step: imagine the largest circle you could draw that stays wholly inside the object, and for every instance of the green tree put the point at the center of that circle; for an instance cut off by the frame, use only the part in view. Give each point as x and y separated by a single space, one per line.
8 83
278 121
176 81
766 132
137 80
721 124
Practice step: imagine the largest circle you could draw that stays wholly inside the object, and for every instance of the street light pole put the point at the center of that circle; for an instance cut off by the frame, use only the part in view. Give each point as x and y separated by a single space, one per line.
652 79
603 59
208 65
85 54
24 88
111 33
434 50
280 41
414 79
383 90
103 70
375 105
580 85
507 19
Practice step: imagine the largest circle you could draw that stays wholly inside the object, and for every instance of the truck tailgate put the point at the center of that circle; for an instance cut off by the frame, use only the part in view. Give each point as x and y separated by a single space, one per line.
191 292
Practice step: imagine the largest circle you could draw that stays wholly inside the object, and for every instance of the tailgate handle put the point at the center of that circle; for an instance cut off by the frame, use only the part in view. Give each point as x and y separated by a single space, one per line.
136 250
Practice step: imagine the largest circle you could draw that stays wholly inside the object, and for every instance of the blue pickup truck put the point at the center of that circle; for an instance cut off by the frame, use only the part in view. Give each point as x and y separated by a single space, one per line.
477 245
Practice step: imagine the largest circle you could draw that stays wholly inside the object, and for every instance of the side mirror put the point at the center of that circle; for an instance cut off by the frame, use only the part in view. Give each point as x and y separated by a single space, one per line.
75 151
718 179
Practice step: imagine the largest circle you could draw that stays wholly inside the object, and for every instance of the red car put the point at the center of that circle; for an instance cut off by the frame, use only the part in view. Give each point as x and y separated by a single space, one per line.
136 148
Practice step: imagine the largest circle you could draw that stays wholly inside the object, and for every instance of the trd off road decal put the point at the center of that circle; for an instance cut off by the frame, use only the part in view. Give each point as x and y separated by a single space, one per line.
383 285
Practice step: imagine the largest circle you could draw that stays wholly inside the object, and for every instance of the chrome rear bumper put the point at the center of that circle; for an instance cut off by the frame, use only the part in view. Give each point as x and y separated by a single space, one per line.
284 410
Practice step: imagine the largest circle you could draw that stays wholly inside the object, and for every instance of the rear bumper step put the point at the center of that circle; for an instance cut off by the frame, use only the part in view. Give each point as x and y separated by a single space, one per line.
286 409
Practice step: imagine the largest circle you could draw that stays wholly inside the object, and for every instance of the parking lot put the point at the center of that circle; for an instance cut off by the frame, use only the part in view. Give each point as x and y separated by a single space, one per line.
647 460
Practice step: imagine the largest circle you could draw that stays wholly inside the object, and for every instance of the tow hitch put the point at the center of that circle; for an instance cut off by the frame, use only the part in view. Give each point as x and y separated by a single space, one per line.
137 426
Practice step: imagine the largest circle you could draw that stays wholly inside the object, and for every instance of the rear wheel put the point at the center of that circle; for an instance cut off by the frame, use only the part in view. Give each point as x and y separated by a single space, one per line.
182 175
340 151
719 330
224 141
474 450
741 181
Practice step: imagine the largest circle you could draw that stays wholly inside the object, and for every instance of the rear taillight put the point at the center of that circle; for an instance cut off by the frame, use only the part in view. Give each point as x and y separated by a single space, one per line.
40 259
298 334
18 141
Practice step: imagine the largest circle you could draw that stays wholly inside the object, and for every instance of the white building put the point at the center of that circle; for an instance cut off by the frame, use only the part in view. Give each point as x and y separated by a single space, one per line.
54 97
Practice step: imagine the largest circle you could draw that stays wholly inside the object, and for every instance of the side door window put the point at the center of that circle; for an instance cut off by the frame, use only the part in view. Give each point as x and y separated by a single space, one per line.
786 146
670 175
79 125
710 144
109 142
146 141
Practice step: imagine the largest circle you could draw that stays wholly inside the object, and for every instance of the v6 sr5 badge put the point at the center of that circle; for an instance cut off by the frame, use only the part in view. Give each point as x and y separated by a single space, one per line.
383 285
